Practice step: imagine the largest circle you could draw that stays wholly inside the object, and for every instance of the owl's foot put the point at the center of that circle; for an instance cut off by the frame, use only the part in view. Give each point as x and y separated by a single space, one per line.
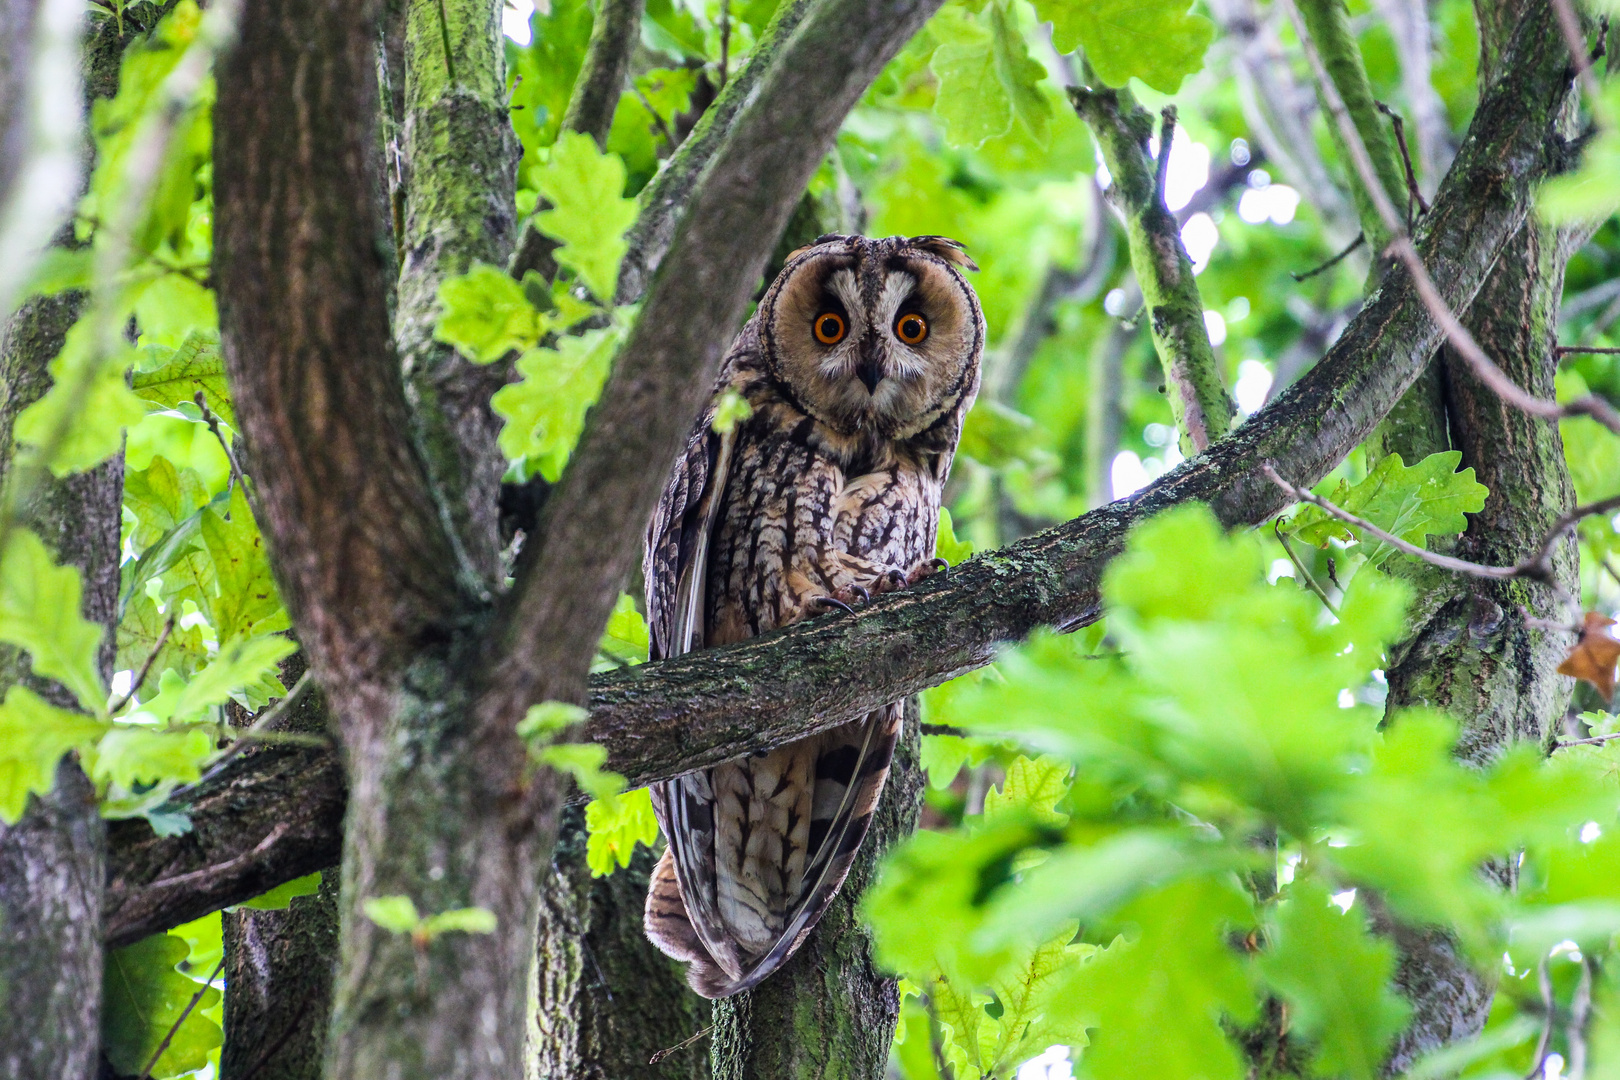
926 568
820 605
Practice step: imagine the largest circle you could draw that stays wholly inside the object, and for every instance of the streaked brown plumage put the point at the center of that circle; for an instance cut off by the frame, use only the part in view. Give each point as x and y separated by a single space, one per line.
858 366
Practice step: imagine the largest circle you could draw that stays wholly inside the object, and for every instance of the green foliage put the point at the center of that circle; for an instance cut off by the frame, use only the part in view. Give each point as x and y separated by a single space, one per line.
986 76
34 735
1230 713
615 824
1335 977
589 215
168 377
545 412
487 314
625 640
282 896
144 997
1589 193
1427 499
946 544
39 612
1159 42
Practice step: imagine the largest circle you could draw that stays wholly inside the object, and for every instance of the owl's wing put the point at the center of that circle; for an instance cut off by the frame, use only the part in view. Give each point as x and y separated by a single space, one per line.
677 550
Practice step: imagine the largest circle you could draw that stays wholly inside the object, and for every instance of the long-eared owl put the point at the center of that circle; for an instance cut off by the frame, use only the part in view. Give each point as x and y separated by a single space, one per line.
857 368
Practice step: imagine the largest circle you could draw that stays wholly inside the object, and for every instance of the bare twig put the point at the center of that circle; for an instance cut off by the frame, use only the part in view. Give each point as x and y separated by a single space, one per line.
212 420
1167 134
1584 350
1595 740
1402 248
1570 25
1414 197
146 669
146 1073
682 1045
1276 528
1361 238
725 41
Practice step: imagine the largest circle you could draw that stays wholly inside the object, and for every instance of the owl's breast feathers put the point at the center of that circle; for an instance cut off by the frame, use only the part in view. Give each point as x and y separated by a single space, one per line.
755 526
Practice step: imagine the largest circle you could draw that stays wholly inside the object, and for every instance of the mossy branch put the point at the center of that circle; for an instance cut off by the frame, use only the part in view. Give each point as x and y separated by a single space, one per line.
607 58
1327 22
1192 374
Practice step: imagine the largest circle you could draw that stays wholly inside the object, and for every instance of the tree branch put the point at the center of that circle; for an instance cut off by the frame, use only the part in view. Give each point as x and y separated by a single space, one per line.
664 200
663 719
1197 395
607 58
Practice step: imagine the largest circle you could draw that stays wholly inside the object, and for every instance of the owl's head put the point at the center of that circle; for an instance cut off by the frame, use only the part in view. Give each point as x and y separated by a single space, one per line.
875 336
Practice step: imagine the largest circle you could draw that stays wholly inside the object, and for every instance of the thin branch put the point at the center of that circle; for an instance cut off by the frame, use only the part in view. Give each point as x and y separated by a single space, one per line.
1594 740
146 668
725 41
682 1045
212 420
1305 575
1569 24
1361 238
1584 350
1402 248
146 1073
1414 197
1120 128
614 34
1580 1010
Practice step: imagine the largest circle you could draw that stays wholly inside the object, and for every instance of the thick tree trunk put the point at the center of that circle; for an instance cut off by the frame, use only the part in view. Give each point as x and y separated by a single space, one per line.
278 987
830 1012
608 1001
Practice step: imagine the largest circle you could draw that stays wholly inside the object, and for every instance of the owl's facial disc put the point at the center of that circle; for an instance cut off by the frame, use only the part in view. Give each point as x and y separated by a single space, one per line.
869 339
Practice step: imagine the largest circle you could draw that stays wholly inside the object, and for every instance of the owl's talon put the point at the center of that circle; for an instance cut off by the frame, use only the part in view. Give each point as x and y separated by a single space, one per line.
860 591
940 565
832 602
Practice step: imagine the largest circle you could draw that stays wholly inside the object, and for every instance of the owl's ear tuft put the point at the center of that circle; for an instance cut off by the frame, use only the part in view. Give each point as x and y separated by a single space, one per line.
824 238
950 250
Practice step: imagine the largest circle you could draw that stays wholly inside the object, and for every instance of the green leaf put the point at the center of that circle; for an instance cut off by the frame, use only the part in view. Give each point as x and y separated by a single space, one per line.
545 412
34 735
943 756
614 826
241 662
625 639
467 920
132 756
396 914
1019 74
196 366
1336 978
282 896
485 315
946 545
39 612
971 101
1427 499
1033 786
730 410
589 214
1156 996
1032 1017
143 997
247 603
1157 41
542 724
583 761
82 417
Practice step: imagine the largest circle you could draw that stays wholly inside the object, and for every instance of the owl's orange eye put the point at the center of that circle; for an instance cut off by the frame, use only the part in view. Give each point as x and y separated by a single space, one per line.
829 328
911 328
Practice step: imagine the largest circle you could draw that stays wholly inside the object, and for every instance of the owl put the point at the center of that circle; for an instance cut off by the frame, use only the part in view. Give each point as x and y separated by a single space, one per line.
856 369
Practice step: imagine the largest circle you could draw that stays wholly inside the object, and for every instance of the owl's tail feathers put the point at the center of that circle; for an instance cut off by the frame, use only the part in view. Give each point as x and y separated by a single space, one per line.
670 928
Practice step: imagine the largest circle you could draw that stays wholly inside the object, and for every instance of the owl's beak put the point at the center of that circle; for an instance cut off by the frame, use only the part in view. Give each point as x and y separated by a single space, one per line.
869 373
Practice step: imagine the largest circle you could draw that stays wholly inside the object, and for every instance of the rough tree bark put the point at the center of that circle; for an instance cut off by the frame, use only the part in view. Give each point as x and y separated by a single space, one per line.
662 719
